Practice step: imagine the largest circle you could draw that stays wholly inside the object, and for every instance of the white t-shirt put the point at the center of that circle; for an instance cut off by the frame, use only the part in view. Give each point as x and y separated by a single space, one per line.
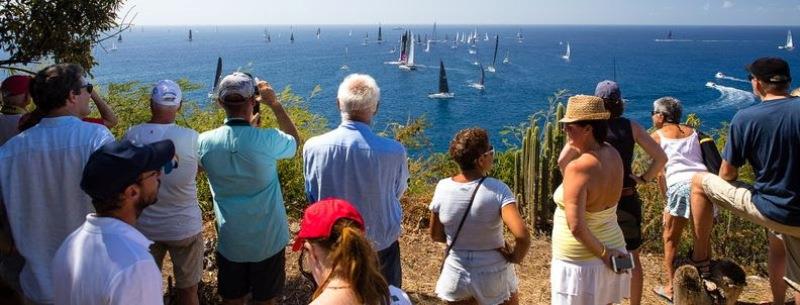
176 215
40 175
106 262
684 158
8 126
483 228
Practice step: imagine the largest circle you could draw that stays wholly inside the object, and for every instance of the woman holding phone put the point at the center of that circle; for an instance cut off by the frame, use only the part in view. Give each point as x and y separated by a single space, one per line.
586 236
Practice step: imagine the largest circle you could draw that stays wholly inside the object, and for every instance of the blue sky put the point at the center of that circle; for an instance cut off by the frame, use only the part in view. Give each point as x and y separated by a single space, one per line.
299 12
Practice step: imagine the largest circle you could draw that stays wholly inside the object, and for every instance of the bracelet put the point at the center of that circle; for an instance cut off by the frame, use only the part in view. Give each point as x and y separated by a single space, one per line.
643 179
603 254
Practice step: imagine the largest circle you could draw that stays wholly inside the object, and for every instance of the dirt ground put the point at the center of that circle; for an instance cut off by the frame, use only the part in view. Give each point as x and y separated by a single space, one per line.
421 258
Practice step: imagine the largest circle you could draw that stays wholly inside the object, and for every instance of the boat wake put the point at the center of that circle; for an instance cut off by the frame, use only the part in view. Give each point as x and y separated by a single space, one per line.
730 96
673 40
721 75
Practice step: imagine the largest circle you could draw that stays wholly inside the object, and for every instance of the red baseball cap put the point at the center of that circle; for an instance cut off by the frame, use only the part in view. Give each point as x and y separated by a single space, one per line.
319 218
15 84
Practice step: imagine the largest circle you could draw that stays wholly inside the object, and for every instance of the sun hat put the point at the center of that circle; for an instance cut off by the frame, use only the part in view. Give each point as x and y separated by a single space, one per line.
585 108
319 218
166 93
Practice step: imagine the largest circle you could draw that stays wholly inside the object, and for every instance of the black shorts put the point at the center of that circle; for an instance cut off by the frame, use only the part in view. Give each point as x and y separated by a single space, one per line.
264 279
629 218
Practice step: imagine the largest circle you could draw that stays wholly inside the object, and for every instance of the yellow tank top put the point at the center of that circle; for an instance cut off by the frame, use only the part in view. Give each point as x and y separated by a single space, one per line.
603 226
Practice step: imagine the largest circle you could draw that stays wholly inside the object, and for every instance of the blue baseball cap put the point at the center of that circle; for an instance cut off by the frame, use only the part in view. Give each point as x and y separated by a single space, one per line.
118 164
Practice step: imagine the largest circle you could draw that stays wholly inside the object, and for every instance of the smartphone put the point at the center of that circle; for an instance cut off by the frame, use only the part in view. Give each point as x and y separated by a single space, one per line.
257 107
622 263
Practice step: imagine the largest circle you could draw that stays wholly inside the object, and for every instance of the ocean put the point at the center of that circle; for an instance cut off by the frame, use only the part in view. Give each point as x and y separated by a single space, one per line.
643 61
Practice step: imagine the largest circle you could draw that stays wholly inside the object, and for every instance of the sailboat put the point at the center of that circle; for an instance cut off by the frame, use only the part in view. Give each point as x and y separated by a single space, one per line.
433 34
568 54
428 47
291 37
318 32
380 35
485 36
444 90
119 38
409 65
505 60
519 36
366 39
190 35
113 46
789 43
479 85
494 59
344 66
669 35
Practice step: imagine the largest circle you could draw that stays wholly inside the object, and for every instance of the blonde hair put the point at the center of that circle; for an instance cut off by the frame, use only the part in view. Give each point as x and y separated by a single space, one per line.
358 93
355 261
796 92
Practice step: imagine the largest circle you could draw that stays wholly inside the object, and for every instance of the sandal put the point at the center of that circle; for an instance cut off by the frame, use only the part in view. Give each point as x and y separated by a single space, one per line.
704 268
661 293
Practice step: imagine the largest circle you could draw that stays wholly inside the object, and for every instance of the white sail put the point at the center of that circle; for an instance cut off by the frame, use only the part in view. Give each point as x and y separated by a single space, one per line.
411 54
568 54
506 60
789 42
113 46
428 47
345 66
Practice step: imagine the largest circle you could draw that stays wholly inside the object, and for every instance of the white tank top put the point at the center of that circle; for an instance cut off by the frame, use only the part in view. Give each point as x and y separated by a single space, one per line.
684 157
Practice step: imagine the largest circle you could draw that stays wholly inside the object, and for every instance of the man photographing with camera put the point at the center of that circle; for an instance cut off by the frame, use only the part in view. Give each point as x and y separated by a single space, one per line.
241 163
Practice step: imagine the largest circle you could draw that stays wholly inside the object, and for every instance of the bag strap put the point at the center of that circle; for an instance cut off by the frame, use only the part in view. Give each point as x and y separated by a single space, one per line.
463 218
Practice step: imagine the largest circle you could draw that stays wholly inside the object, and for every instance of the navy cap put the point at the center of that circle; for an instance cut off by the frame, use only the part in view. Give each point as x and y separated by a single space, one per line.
117 165
608 90
770 70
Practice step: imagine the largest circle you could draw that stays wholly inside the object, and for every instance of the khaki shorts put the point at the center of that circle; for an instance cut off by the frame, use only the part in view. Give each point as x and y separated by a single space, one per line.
187 259
736 197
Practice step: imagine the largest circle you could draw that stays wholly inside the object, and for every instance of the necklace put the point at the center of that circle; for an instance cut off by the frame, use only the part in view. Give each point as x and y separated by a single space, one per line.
337 287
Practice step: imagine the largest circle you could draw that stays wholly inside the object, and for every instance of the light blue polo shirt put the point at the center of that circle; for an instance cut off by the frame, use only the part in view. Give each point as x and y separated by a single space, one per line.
241 164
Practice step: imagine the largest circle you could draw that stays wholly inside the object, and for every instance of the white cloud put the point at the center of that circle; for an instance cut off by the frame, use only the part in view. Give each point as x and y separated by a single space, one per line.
727 4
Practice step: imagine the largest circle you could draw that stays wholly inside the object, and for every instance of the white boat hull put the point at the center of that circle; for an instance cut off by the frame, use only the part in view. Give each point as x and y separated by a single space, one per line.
491 69
441 96
478 86
407 67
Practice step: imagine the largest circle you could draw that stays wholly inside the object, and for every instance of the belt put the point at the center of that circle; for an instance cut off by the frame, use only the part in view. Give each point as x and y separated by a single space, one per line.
628 191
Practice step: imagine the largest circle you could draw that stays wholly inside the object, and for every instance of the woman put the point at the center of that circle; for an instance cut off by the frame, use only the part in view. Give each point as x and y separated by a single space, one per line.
682 147
478 266
624 134
585 231
337 257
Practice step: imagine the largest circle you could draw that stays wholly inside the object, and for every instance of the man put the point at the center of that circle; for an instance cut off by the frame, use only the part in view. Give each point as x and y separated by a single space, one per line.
106 261
353 163
240 161
107 116
16 99
174 223
40 171
767 136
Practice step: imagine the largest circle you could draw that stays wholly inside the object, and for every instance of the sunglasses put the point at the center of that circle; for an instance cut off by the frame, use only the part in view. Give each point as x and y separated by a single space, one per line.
301 262
750 77
490 151
654 112
89 88
155 173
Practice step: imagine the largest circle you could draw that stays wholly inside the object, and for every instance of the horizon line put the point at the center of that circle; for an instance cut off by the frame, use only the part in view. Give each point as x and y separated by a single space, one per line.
471 24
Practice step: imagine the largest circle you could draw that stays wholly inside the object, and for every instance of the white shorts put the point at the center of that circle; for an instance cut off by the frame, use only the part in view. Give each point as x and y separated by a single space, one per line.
484 275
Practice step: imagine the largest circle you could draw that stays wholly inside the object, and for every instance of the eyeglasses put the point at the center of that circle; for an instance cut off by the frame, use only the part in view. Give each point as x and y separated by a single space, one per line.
750 77
655 112
490 151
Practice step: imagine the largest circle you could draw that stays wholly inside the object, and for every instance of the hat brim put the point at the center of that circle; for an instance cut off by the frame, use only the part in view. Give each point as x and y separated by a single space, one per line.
591 117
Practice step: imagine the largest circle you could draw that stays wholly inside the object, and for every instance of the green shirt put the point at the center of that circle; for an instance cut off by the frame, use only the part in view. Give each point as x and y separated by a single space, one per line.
241 164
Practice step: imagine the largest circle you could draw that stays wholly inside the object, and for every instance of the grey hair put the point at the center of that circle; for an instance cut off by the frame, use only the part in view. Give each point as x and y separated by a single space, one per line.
358 94
670 108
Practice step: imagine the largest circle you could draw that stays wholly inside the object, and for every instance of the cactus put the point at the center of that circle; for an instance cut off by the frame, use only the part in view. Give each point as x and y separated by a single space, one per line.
536 173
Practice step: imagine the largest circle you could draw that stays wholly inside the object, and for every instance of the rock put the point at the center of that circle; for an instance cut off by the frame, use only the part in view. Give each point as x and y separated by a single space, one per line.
725 285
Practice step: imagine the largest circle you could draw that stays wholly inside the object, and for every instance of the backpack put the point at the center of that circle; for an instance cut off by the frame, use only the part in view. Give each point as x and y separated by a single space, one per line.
711 157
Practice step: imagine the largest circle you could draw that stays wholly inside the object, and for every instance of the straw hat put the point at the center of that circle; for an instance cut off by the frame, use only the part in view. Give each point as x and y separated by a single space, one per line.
585 108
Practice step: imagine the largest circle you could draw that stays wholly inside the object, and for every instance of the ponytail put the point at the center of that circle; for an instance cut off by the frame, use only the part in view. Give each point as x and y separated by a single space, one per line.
356 262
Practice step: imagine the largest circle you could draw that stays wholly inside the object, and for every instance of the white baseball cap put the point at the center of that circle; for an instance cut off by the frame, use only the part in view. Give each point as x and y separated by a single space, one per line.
166 93
236 83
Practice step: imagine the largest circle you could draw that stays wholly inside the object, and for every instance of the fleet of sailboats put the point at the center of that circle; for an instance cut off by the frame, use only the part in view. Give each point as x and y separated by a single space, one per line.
444 89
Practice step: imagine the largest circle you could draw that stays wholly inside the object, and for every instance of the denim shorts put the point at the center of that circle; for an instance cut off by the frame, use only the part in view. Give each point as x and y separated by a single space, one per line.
484 275
678 195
